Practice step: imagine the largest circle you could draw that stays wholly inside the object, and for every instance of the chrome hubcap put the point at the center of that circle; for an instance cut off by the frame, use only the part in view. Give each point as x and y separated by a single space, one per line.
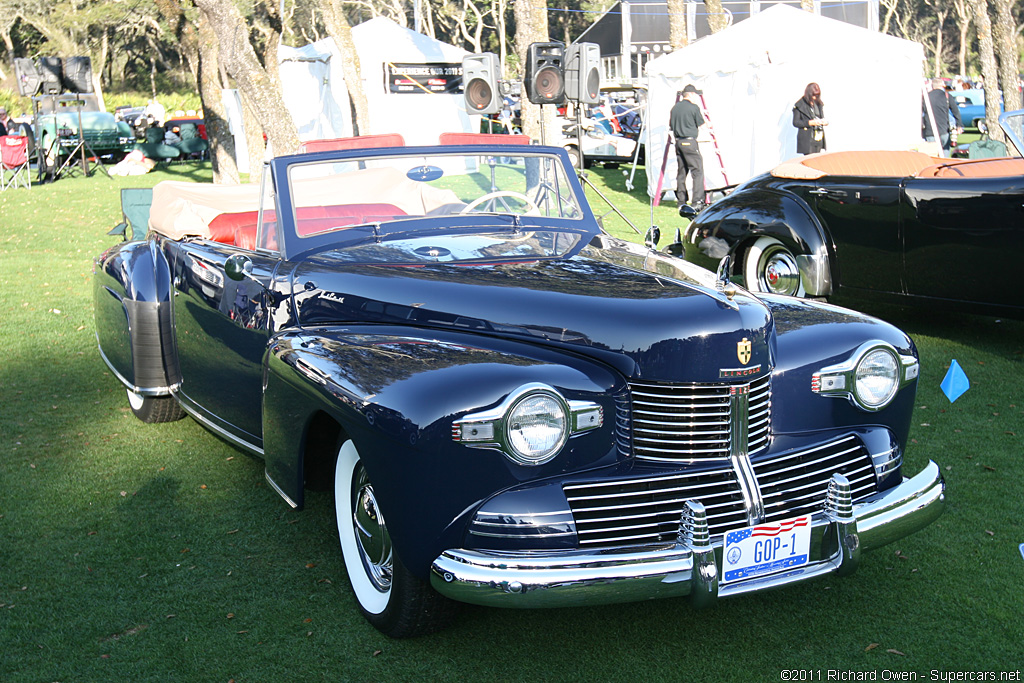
780 274
371 533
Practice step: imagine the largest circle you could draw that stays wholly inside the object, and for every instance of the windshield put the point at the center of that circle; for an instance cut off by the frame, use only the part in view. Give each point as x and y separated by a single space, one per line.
1012 122
335 194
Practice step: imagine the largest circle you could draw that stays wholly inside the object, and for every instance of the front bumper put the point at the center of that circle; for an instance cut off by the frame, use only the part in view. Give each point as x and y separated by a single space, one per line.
692 565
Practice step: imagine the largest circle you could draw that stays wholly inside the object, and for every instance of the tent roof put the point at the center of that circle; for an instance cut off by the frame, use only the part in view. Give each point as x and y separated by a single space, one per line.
386 40
767 38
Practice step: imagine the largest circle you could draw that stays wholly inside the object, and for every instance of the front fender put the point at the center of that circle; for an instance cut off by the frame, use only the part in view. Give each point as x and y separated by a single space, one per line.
733 224
396 392
806 345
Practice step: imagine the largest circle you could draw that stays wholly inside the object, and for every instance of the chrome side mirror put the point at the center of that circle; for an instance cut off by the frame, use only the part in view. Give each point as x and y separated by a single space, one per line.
652 237
238 267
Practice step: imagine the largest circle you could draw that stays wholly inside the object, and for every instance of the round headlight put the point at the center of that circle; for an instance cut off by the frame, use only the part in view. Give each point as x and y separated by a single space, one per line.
537 428
877 378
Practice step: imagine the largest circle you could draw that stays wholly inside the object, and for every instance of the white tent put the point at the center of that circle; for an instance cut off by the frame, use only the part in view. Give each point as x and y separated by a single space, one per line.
404 76
754 71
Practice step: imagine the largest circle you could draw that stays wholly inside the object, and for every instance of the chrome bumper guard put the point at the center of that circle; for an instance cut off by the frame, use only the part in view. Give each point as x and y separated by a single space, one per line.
691 566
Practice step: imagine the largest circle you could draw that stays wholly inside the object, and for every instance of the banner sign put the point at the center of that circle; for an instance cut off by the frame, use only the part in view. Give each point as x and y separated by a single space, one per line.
424 79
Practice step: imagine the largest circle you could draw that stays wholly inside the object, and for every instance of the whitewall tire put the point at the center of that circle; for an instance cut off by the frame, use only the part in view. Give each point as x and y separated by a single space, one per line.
392 599
769 266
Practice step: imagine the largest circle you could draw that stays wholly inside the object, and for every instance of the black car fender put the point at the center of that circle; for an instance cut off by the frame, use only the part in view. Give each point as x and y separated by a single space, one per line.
734 224
132 293
396 392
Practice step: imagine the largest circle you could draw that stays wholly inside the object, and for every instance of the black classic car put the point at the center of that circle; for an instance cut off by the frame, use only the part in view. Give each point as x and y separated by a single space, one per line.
511 407
889 225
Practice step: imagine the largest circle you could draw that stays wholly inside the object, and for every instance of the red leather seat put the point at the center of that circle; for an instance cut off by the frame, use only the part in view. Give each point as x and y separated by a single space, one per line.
239 228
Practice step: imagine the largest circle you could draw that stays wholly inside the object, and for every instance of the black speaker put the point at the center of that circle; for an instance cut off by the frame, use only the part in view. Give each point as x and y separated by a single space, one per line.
28 78
51 70
583 73
78 74
480 74
544 80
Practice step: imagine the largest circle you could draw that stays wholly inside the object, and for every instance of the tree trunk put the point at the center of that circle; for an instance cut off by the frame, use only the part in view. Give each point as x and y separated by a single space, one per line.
532 27
963 16
989 70
1009 59
940 18
256 84
717 18
339 29
218 132
498 8
677 34
253 140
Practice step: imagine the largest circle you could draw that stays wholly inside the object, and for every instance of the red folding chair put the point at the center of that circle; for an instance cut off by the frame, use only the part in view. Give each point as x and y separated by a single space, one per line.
14 170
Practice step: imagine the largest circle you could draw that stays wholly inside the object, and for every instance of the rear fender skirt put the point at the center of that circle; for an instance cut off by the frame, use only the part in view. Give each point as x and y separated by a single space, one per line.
744 216
132 292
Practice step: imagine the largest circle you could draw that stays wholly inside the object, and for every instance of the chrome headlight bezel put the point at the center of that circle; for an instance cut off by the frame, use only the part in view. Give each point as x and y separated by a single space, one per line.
495 428
843 380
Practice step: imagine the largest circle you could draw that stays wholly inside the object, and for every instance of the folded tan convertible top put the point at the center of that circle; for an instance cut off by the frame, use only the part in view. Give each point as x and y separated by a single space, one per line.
894 164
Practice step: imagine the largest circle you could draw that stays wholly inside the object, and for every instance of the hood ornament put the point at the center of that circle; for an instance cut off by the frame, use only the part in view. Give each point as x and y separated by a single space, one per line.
722 282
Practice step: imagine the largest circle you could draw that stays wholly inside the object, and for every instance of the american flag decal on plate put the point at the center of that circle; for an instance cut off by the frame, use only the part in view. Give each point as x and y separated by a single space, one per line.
766 548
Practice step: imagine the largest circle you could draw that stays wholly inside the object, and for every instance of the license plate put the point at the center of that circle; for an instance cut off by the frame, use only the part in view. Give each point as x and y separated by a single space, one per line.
766 549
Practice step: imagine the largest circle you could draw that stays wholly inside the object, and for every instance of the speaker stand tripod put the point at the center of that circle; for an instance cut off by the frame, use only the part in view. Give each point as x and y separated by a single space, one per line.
84 163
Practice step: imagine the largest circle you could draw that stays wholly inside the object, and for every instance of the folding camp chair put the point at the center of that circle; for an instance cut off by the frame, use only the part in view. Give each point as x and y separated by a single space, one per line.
14 170
135 203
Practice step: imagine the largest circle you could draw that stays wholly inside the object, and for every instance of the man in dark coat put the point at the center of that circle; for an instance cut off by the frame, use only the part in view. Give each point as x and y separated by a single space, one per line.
685 121
942 107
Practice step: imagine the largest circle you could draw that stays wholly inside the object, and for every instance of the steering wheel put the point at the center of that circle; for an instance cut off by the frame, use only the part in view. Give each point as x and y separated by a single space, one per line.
532 208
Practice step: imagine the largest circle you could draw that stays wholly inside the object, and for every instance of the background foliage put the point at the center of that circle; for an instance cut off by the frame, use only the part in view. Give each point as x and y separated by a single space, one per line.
137 44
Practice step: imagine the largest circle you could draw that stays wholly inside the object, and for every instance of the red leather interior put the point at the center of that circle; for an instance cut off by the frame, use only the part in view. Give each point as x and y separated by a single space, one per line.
239 229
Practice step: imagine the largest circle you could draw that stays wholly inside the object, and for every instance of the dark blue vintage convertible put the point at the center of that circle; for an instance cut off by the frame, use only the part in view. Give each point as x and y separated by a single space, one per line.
512 407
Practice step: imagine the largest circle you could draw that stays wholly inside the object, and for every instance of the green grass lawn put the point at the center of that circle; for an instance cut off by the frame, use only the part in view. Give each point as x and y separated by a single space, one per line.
132 552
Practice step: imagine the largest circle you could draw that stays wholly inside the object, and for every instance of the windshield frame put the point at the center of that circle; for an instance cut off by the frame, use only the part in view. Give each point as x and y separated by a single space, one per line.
292 245
1012 135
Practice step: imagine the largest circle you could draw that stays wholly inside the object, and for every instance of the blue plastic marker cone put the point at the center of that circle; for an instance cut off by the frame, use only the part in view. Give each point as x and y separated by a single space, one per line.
955 383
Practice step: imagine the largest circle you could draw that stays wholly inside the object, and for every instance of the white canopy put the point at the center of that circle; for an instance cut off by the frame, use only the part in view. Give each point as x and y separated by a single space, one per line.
316 96
754 71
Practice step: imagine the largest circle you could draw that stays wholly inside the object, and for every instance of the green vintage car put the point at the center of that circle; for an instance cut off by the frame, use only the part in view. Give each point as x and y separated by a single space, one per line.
57 129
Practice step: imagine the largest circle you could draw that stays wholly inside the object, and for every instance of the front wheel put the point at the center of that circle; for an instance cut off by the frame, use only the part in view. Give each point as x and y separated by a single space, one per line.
770 267
393 600
153 409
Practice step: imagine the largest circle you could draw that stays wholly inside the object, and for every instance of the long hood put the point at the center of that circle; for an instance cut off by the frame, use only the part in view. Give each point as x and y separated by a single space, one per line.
599 301
92 121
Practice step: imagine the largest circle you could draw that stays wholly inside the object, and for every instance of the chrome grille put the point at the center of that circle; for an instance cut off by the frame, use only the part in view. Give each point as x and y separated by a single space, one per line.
646 510
673 422
795 483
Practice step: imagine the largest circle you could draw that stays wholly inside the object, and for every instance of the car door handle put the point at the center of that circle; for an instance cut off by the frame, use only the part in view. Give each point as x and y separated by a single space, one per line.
819 191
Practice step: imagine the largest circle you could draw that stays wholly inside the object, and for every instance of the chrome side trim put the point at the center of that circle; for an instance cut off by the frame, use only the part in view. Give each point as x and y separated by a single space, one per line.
841 531
273 485
141 391
190 408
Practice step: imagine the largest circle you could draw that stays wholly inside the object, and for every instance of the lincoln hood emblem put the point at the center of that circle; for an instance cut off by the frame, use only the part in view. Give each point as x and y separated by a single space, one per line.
743 350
